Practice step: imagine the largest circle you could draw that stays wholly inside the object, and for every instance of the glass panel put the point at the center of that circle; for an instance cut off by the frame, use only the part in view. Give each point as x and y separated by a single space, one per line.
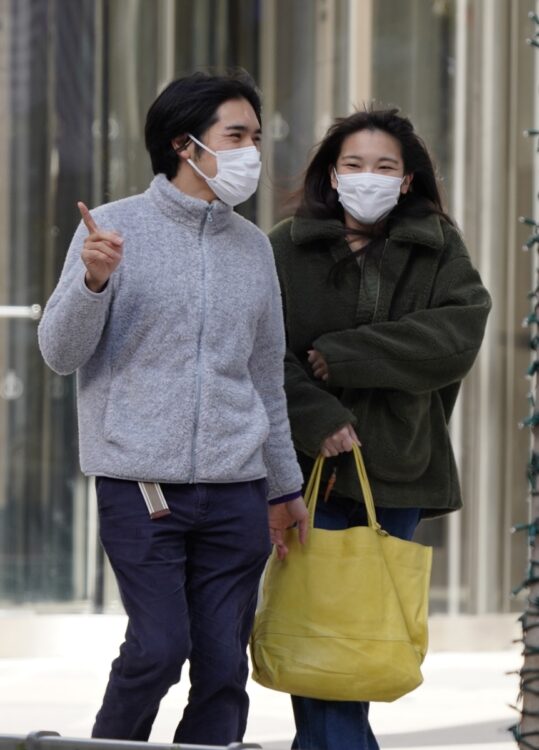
131 77
412 68
341 71
310 86
76 80
46 86
205 36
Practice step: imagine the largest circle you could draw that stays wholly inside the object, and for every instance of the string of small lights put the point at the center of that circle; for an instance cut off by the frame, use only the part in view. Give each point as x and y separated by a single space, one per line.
526 730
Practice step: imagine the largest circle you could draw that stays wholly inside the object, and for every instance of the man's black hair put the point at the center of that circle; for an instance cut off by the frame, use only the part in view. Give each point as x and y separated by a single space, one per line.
189 105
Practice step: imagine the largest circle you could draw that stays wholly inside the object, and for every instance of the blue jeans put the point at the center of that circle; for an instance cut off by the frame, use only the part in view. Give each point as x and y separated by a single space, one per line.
188 583
335 725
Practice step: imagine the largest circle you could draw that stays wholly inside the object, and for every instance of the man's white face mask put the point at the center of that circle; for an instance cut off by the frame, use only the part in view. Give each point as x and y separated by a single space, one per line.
366 196
238 172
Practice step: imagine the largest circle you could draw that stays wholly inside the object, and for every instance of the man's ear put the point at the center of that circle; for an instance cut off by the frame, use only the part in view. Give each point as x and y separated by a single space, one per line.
405 187
181 146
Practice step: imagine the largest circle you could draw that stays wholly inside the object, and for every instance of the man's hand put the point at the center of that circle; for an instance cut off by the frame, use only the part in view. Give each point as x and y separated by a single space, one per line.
101 254
282 517
319 364
340 442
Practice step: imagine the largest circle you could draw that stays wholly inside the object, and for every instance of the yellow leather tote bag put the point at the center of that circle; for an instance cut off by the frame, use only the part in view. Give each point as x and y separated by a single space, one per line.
343 617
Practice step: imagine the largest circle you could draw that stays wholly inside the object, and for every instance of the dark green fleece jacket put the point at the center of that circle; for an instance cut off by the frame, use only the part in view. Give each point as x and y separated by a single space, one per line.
398 334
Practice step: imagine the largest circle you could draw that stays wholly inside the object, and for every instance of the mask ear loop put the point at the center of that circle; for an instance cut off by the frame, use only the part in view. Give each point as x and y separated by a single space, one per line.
198 170
202 145
192 163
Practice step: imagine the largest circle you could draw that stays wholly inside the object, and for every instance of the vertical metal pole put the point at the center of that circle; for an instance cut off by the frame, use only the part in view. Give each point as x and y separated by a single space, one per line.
513 442
325 66
458 198
492 249
103 107
105 102
167 42
360 28
268 41
5 123
202 25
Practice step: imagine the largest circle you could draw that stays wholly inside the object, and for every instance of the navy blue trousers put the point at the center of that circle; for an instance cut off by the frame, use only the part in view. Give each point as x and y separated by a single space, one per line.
336 725
188 582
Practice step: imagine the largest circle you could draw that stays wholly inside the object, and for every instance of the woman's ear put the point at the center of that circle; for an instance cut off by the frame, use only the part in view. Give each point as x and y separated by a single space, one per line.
333 177
407 181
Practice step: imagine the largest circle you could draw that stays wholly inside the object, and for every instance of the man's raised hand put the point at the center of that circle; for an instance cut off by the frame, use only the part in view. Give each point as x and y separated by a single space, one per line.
101 253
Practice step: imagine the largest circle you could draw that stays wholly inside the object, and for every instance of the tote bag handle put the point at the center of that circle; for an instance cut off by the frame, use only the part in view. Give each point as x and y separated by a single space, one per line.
313 488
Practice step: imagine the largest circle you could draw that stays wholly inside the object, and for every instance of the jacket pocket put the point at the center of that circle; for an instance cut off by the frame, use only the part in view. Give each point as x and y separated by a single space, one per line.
395 429
144 411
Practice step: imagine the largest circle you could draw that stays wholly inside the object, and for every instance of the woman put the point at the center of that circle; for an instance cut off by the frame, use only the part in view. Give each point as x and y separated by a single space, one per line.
384 315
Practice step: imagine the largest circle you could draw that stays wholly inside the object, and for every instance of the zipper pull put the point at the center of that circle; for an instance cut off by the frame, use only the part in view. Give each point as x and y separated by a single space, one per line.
210 216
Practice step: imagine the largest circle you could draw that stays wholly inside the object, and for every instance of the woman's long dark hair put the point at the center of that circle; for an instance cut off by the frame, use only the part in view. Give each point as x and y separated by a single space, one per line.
319 199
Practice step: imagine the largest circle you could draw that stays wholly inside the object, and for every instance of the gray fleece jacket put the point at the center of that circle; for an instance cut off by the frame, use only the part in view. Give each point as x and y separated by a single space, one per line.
179 359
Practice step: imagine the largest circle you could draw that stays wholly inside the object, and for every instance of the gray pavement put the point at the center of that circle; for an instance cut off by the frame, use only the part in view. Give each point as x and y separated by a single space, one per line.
53 672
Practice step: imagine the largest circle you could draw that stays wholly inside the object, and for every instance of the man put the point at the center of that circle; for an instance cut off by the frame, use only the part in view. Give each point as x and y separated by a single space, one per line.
168 308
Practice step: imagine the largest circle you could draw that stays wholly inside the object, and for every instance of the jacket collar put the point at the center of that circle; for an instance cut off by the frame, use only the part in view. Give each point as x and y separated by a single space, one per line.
425 231
188 211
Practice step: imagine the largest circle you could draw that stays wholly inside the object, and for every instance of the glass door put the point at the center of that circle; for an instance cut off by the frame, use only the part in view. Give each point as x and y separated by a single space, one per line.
46 115
76 80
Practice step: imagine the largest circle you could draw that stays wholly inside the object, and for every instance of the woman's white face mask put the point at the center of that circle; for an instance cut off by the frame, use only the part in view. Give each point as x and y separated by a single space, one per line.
367 196
238 172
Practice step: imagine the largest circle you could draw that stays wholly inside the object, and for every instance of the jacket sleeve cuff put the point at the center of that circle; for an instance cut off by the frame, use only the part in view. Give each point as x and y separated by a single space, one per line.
103 294
285 498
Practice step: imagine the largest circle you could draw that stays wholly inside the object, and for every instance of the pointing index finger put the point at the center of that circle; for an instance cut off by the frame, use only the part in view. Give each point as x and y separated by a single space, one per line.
89 223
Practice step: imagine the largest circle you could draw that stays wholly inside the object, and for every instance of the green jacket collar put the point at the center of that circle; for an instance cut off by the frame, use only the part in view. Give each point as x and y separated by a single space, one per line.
425 231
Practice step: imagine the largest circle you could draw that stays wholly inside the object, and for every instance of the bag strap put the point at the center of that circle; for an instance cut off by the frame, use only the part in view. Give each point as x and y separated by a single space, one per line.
313 488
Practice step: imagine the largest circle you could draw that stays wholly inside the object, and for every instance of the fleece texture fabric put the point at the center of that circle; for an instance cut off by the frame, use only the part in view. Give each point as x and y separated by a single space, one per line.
179 359
399 333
